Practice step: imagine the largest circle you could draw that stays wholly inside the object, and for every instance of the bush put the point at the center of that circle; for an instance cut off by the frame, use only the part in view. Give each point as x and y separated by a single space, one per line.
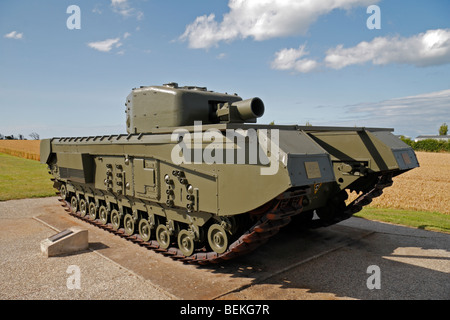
432 145
429 145
408 141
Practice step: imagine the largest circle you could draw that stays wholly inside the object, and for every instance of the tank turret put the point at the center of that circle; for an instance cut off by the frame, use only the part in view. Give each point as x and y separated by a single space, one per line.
152 107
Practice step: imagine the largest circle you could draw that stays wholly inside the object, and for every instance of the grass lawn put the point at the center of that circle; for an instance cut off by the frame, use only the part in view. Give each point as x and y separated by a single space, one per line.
433 221
22 178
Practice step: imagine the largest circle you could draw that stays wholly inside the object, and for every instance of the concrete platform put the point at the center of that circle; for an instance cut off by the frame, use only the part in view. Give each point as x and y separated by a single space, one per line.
323 264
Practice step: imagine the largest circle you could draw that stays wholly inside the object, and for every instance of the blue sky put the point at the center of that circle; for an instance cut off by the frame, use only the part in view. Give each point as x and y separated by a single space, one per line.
309 61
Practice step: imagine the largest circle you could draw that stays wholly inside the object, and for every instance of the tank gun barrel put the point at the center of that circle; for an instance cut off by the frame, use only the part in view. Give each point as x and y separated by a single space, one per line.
240 111
250 108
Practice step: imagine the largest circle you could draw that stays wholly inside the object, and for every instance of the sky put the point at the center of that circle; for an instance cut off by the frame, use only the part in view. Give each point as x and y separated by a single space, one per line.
66 67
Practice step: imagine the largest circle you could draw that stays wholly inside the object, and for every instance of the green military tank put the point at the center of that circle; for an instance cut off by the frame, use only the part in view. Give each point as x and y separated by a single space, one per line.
197 179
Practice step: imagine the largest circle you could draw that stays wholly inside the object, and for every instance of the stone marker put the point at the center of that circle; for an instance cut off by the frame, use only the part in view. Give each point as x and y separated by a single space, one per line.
67 241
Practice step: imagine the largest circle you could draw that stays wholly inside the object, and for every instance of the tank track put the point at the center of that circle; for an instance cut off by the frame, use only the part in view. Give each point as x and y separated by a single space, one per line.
272 218
344 212
269 223
384 181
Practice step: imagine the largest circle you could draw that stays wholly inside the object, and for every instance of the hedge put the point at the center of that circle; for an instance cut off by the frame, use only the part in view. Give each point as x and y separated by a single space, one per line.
429 145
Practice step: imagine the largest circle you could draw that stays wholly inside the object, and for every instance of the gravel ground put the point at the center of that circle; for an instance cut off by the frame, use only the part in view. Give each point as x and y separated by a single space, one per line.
26 274
322 264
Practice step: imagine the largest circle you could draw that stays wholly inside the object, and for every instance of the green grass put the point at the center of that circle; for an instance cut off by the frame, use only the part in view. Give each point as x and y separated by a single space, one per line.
433 221
22 178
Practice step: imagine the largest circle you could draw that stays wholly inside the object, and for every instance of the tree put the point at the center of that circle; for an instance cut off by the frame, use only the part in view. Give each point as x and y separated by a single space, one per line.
34 136
443 129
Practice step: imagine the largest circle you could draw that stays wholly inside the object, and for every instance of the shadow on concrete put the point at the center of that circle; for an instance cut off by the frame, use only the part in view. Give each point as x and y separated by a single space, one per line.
333 262
325 263
97 246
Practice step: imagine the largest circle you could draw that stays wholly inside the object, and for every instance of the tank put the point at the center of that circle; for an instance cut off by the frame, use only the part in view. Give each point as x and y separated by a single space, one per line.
197 179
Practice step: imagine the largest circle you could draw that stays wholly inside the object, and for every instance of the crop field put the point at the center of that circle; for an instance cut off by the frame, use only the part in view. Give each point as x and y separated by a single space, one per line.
426 188
27 149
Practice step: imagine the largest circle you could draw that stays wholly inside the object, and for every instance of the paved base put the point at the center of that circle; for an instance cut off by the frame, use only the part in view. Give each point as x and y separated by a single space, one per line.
68 241
327 263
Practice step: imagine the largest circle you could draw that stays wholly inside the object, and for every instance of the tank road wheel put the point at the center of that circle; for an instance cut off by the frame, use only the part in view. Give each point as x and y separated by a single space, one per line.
74 204
92 209
145 230
115 219
103 214
186 242
63 191
128 224
217 238
83 207
163 236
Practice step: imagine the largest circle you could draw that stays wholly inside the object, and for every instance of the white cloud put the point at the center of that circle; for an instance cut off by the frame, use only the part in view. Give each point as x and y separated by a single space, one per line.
221 56
105 45
118 2
14 35
108 44
262 19
422 50
97 10
425 49
290 59
123 8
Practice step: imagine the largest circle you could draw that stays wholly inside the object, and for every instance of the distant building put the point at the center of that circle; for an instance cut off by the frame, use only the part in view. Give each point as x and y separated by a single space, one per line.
441 138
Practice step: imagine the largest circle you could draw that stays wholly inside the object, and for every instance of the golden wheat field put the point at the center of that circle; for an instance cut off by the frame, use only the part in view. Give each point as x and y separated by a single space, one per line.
28 149
425 188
